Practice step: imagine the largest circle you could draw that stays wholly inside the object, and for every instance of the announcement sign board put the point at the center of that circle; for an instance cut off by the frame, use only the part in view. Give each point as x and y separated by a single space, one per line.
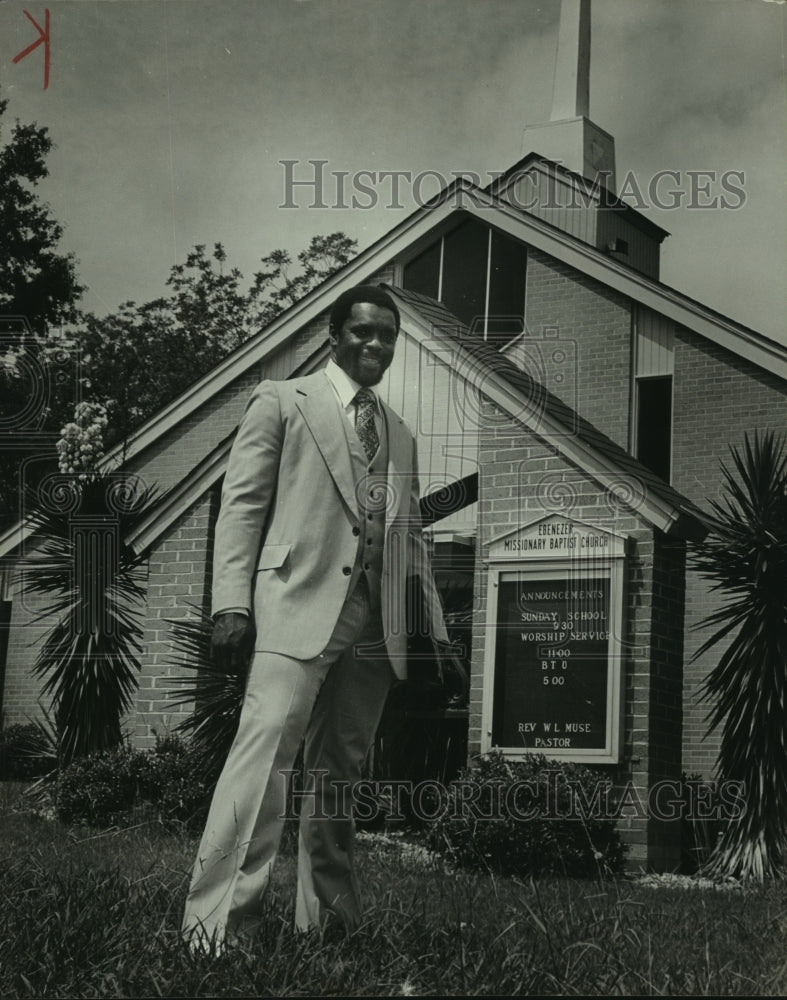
552 665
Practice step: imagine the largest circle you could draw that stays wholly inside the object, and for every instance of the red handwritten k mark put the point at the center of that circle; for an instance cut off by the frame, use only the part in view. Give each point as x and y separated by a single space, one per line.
43 39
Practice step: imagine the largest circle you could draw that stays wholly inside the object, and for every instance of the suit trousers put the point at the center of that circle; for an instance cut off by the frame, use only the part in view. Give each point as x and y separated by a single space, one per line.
334 703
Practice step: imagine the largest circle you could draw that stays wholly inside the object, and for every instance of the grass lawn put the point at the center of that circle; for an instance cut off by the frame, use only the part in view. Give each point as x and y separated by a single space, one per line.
91 913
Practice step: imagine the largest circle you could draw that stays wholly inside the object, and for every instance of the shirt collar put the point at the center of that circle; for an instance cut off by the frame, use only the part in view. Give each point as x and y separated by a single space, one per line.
345 387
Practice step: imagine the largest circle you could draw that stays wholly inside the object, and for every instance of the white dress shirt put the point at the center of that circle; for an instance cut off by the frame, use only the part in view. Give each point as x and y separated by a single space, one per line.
345 389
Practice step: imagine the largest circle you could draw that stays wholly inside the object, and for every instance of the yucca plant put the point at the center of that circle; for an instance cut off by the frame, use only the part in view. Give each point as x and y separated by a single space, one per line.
90 656
745 556
215 693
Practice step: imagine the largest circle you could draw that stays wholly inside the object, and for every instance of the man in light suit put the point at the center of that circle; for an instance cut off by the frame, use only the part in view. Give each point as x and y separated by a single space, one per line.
316 540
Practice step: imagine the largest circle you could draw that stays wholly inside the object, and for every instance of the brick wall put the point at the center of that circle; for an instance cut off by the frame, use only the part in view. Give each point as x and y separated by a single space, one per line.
521 478
22 690
717 396
666 704
179 574
593 323
290 356
168 461
177 571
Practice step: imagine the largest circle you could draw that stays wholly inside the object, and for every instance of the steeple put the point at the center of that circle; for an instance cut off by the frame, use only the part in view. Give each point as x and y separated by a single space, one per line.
569 137
571 87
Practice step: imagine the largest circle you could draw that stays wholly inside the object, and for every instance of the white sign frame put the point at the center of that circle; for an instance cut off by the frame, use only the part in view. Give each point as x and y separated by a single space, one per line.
511 563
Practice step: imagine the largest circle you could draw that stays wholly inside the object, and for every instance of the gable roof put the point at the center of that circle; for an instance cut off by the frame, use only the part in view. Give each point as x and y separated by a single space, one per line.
461 195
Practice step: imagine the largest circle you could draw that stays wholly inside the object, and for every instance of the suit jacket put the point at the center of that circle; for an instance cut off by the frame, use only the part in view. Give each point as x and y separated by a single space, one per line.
287 532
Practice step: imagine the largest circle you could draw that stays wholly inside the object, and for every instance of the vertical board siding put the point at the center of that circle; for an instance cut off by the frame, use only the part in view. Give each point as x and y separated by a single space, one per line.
433 397
654 351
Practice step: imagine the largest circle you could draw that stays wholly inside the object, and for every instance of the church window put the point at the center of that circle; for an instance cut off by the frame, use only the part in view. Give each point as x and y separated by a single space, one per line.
478 273
652 391
654 423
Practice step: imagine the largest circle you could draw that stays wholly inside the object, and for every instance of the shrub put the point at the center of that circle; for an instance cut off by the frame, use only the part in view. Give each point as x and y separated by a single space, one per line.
526 817
22 756
177 781
100 788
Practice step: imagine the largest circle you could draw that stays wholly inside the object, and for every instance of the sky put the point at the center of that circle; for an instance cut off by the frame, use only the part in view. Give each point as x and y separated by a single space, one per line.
171 119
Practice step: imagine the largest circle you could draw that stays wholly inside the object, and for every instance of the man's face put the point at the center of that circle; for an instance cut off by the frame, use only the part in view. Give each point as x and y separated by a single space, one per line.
364 347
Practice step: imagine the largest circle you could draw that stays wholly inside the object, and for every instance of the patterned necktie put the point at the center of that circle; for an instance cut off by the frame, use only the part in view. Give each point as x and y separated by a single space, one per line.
364 422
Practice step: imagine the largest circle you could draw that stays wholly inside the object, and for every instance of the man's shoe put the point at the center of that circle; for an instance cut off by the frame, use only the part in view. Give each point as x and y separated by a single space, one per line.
202 945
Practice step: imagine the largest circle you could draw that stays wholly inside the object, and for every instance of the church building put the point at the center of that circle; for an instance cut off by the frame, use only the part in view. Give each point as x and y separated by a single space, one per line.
571 413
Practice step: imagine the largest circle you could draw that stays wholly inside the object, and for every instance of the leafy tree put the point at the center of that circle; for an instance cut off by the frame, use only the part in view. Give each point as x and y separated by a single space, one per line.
275 288
38 292
745 556
141 357
36 281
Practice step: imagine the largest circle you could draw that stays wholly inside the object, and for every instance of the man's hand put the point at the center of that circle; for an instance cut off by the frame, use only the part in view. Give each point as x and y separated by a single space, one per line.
233 641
